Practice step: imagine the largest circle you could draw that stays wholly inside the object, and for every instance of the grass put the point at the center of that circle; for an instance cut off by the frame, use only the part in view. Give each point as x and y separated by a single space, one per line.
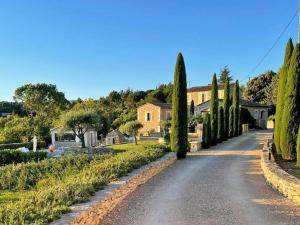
132 146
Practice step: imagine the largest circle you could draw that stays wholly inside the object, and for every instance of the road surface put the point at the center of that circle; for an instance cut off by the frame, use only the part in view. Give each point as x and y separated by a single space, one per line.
221 186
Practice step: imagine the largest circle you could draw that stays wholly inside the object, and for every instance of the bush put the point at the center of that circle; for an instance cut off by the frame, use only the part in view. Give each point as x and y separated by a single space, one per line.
206 135
29 145
221 124
16 156
45 204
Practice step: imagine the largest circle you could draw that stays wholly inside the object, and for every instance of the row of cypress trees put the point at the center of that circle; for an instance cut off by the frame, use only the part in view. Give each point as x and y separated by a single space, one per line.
223 121
287 118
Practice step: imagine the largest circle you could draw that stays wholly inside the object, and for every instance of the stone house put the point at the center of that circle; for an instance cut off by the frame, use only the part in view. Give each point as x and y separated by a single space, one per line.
258 111
69 139
114 137
150 115
201 94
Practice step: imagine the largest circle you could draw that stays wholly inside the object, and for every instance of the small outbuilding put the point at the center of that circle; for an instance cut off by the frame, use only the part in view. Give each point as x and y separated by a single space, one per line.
115 137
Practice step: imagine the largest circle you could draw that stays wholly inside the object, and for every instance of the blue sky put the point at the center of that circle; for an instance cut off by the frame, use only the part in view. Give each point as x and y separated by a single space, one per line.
91 47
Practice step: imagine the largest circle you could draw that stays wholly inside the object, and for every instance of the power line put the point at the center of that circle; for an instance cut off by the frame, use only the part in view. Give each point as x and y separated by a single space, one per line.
273 46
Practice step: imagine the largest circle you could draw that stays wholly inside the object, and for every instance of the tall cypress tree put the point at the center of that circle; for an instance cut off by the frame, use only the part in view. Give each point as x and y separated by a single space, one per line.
221 124
214 105
298 149
192 108
236 105
291 112
283 73
231 121
179 130
226 106
206 134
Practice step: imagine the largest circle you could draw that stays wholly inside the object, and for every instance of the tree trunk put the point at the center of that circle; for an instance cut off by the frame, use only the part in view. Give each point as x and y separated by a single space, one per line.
135 140
82 141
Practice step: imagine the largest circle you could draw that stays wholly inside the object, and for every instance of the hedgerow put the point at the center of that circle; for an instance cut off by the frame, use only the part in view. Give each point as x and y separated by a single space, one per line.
9 156
47 202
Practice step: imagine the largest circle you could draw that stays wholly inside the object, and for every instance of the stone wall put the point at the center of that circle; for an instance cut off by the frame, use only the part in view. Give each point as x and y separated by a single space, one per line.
285 183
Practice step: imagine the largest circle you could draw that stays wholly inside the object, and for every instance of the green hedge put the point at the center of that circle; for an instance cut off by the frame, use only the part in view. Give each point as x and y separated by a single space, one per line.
28 145
54 198
15 156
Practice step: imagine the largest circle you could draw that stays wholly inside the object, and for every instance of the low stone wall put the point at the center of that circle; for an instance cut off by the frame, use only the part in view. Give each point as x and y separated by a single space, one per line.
279 179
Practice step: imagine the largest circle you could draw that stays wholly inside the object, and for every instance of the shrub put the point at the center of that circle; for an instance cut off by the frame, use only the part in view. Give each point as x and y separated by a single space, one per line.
206 135
29 145
221 124
231 121
16 156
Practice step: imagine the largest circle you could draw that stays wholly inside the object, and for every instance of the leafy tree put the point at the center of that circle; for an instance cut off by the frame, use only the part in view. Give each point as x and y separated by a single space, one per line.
221 124
192 108
231 121
291 112
225 74
179 132
214 104
131 128
194 120
258 88
236 105
206 134
165 125
283 73
226 106
80 121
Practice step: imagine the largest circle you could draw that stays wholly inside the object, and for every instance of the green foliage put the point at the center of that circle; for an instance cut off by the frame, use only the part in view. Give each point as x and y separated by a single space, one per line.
283 73
9 156
298 149
225 75
192 108
221 124
291 112
165 125
206 134
236 105
246 117
262 88
15 108
194 120
226 106
231 121
80 121
49 201
131 128
214 104
179 132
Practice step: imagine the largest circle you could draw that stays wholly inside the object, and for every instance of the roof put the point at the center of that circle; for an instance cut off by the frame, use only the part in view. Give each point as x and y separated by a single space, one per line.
204 88
243 102
114 133
161 105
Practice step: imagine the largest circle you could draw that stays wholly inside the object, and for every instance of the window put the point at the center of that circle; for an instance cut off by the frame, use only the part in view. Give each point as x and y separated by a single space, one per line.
168 115
148 116
203 97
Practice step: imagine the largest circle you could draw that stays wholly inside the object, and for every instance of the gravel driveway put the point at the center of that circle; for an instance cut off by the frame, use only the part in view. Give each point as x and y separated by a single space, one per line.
221 186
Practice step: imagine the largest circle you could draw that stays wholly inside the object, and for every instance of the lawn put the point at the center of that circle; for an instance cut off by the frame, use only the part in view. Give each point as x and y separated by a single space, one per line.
40 200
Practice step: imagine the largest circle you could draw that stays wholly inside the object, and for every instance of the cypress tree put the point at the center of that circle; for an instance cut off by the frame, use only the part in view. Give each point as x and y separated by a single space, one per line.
236 104
298 149
231 121
179 130
221 124
283 73
214 105
226 106
206 135
291 112
192 108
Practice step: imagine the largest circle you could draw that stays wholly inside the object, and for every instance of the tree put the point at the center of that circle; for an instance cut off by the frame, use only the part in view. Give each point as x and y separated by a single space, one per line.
214 104
236 105
225 74
131 128
221 124
192 108
226 106
193 121
165 125
283 73
258 89
298 148
231 121
206 134
179 132
80 121
291 112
